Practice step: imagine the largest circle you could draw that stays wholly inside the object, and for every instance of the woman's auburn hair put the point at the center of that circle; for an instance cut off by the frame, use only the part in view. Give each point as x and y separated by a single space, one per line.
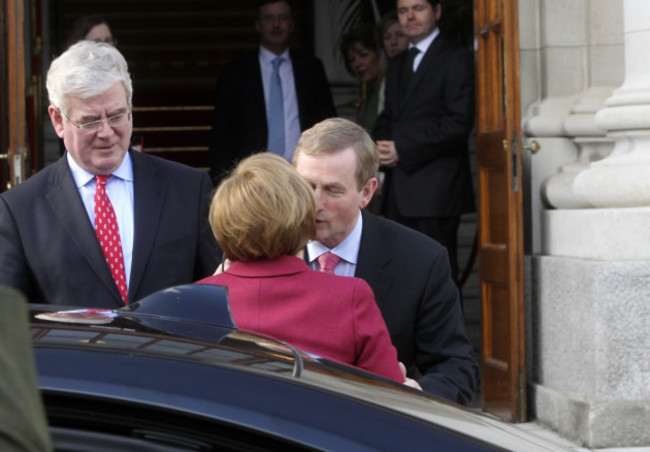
263 209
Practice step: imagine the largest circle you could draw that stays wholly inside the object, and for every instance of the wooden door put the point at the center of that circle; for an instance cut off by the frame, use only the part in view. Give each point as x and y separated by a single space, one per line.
12 93
500 208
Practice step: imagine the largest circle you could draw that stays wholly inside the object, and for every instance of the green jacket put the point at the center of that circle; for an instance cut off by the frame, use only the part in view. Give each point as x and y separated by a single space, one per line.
23 426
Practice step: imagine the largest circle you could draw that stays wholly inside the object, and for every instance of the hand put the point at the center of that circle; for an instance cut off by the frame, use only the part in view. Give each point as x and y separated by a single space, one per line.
409 381
387 153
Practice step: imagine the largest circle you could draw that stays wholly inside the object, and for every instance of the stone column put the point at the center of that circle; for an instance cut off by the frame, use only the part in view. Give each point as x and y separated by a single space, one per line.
592 284
558 190
623 179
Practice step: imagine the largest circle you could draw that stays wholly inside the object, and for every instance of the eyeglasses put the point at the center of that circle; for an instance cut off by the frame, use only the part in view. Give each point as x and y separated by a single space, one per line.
96 126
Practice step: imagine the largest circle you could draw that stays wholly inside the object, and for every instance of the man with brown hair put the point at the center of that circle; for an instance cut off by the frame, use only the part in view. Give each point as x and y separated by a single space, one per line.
408 272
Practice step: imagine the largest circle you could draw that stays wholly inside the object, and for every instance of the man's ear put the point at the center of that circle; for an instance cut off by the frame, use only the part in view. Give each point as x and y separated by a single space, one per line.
438 11
367 191
57 119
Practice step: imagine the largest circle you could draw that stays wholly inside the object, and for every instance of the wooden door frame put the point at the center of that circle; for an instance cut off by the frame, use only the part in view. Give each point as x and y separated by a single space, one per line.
15 93
499 133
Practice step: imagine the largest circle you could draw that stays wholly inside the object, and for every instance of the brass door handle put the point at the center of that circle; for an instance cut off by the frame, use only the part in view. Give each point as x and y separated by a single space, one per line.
534 147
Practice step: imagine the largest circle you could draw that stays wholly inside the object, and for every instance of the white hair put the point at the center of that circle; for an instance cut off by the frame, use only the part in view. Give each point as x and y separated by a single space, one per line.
85 70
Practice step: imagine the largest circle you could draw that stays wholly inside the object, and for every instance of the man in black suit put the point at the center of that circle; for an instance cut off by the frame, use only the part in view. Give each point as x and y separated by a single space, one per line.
54 244
244 117
408 272
423 130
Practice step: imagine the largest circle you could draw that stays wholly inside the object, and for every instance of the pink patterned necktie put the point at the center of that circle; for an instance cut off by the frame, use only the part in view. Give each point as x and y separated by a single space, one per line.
108 234
328 261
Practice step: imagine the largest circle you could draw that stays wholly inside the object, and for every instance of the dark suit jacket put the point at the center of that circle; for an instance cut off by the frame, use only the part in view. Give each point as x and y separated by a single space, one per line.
410 276
49 250
430 125
239 128
332 316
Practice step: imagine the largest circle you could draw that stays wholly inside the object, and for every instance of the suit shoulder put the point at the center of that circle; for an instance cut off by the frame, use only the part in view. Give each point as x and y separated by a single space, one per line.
401 237
34 184
454 48
166 166
243 60
238 69
300 57
451 43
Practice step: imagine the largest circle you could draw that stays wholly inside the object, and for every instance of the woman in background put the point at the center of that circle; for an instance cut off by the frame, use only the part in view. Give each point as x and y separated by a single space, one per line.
366 61
392 37
91 28
262 216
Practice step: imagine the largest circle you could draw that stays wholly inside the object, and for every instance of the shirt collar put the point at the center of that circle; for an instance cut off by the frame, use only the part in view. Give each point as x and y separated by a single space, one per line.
82 177
266 56
348 249
423 45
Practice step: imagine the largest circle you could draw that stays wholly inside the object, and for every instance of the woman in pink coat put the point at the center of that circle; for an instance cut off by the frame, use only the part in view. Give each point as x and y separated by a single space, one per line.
262 216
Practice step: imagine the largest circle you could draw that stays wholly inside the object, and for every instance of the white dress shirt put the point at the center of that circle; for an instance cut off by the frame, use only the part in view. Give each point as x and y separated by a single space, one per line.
289 96
423 46
347 250
119 189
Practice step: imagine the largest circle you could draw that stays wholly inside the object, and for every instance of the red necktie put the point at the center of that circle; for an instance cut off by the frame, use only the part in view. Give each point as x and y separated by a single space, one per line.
108 234
328 261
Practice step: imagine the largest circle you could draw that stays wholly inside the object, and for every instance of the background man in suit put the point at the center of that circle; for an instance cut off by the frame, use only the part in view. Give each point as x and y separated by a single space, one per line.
23 426
152 231
423 130
252 113
407 271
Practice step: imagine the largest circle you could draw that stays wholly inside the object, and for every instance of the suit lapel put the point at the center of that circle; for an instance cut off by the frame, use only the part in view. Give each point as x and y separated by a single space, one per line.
257 96
423 67
63 197
373 262
148 194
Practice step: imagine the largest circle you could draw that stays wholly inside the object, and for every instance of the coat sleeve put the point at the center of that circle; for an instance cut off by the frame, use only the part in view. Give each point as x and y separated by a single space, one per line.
324 102
208 253
383 126
14 270
374 350
222 136
439 123
447 364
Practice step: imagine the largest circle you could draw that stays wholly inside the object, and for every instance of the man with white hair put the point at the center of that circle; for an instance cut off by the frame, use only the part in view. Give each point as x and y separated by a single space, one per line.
104 225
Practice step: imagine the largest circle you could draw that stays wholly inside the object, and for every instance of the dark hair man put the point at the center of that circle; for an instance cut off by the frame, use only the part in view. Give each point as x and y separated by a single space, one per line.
423 130
407 271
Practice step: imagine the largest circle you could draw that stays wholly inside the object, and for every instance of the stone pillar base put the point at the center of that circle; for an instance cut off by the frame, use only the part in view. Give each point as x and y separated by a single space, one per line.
602 234
600 425
591 336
